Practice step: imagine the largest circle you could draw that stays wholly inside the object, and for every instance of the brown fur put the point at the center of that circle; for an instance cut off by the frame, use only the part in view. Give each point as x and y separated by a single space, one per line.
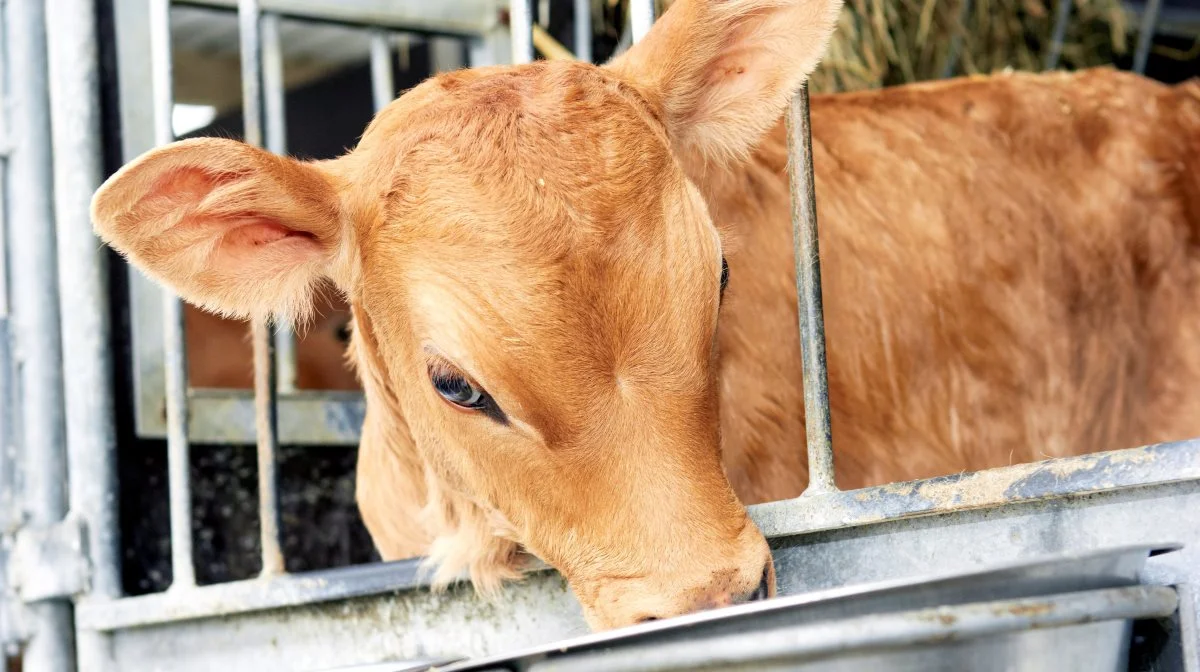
1010 271
220 354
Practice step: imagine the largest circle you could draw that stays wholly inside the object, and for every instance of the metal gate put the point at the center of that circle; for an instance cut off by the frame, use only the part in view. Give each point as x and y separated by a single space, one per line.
62 607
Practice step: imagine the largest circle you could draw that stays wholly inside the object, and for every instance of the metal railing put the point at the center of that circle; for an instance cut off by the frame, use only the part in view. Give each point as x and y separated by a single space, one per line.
70 613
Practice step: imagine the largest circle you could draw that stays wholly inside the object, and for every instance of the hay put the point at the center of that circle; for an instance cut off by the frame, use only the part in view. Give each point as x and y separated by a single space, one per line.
888 42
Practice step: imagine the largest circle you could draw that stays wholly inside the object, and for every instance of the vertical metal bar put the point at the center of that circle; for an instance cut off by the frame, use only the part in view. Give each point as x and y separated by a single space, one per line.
265 399
37 349
583 30
520 22
1062 14
183 574
446 54
10 513
964 13
83 295
641 17
383 83
83 284
275 102
808 290
1149 23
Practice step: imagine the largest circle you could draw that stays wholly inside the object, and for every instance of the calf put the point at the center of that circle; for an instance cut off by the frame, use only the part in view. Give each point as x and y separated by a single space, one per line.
535 261
220 354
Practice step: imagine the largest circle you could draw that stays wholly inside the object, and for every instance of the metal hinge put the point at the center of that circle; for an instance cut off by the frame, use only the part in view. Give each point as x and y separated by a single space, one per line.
49 562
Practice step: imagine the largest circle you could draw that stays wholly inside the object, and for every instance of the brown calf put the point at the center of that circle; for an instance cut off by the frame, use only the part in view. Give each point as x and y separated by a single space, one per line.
534 256
220 354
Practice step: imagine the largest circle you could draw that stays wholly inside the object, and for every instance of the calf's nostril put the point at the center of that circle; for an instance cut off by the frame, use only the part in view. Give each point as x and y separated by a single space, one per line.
764 588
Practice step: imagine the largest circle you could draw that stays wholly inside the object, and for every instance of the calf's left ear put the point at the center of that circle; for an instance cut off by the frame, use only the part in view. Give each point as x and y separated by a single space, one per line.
227 226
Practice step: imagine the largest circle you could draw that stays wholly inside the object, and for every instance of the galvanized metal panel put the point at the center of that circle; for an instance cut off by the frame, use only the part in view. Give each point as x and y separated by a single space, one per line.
403 620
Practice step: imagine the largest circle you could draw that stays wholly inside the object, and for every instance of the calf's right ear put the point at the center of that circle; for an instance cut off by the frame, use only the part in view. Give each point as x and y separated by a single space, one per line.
721 71
227 226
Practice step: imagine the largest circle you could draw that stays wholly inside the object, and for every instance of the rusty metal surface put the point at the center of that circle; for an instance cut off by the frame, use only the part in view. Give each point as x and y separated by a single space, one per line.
1160 463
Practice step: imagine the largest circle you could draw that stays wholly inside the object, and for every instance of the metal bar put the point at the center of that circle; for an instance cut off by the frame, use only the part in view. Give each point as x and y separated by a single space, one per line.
37 348
446 54
179 486
893 631
83 289
583 30
808 291
641 17
461 17
265 392
1146 30
275 104
520 21
10 508
310 418
1022 483
83 285
1062 14
10 514
383 83
964 12
1136 470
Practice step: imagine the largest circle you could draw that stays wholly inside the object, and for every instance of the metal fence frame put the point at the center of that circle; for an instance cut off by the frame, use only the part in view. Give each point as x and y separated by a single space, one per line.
58 440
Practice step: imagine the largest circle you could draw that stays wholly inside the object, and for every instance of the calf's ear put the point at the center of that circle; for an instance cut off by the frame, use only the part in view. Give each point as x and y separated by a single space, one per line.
227 226
722 71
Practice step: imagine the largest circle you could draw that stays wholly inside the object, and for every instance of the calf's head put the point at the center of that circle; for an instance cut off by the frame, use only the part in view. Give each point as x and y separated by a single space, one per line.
536 283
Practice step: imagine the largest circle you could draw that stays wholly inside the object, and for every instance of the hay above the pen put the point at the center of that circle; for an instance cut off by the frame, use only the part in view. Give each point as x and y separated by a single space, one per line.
890 42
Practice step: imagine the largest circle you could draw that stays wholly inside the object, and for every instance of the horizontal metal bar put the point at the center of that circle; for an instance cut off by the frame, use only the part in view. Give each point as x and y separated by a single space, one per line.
1162 464
461 17
306 418
1048 479
893 632
238 597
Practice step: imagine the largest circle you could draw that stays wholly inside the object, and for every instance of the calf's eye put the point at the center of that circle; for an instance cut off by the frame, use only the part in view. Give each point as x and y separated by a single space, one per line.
457 390
724 274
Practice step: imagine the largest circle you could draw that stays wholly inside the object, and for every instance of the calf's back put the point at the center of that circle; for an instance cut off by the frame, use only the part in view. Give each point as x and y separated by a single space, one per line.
1010 273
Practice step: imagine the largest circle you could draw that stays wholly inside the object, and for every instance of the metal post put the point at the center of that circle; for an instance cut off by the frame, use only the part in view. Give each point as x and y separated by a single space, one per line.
583 30
83 288
183 573
10 513
37 350
1141 53
1062 14
265 399
964 13
274 102
383 83
641 17
808 290
520 22
446 54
